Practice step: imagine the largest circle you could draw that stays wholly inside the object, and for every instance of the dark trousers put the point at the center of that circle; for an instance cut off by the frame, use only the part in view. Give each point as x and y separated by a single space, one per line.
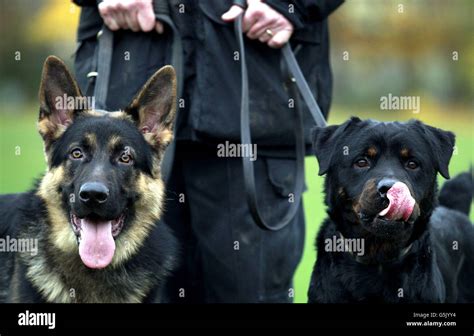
226 257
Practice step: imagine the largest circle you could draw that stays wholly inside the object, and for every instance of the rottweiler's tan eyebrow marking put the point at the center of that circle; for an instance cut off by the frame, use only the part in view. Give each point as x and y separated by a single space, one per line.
372 151
405 153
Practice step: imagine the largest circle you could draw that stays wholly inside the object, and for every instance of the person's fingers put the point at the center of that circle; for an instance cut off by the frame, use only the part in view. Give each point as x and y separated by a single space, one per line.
260 27
130 15
251 16
159 27
146 16
232 13
132 22
265 36
280 38
103 9
118 14
111 22
106 13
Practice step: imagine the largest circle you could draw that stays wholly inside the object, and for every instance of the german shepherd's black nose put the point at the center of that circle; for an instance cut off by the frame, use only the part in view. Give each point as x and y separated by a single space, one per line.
93 192
384 185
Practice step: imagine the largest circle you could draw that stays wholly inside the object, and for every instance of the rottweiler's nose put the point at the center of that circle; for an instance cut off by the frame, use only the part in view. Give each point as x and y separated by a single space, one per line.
384 185
93 192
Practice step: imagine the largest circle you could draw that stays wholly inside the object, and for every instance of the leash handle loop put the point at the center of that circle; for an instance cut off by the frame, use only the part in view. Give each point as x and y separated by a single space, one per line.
248 168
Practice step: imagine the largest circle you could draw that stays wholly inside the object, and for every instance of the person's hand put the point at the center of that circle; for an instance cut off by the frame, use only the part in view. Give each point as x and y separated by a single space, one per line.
262 22
136 15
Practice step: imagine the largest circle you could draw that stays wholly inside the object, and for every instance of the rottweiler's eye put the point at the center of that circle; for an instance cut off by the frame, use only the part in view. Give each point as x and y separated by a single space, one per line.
411 164
125 158
76 154
362 163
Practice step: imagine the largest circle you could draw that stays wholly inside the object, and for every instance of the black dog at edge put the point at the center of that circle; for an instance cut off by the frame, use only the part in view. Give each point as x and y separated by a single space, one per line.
381 189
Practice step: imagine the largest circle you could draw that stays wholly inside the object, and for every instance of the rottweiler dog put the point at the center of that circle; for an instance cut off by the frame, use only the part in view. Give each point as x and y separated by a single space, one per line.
90 230
387 238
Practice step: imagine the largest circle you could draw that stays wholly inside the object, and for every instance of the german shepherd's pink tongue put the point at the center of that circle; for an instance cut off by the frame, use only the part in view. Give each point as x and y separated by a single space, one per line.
97 245
401 203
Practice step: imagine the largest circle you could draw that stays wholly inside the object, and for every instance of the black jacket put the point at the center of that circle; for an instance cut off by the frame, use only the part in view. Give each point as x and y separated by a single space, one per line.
211 106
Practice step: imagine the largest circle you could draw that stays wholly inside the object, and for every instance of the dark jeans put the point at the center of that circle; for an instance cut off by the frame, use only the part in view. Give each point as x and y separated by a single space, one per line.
226 256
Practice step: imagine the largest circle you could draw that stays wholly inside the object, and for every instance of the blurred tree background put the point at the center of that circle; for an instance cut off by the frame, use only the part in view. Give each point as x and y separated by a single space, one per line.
420 48
402 47
32 30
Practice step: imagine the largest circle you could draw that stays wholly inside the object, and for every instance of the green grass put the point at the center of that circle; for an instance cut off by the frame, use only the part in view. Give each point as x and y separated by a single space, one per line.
17 172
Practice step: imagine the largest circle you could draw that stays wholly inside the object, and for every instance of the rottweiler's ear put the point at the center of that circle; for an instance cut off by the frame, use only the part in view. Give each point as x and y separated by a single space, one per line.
324 141
323 146
154 107
442 143
58 87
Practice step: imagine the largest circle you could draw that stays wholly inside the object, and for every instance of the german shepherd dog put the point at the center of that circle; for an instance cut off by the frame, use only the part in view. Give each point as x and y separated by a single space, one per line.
387 239
95 214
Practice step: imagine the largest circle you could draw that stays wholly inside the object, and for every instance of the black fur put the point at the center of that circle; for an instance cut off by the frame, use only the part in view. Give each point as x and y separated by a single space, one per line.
457 193
426 258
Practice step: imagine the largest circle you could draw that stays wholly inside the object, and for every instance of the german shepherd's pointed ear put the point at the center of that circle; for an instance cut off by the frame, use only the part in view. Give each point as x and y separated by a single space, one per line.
57 85
154 108
324 141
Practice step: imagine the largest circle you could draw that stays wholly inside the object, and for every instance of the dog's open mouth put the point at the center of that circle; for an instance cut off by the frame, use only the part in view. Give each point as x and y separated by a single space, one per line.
96 239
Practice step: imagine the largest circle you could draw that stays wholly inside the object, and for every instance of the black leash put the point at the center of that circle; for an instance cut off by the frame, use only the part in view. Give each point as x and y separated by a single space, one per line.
104 63
296 80
162 13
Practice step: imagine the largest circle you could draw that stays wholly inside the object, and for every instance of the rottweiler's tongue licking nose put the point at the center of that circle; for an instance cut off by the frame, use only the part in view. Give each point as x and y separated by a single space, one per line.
401 203
97 245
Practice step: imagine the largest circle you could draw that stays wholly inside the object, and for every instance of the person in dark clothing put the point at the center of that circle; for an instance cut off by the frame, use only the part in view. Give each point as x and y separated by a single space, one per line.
226 257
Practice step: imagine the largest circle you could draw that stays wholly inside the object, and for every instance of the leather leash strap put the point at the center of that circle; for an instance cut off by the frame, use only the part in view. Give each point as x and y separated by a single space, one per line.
297 80
104 65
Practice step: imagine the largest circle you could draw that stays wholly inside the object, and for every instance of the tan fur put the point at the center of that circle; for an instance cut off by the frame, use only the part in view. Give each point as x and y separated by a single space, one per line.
405 153
366 198
148 211
159 139
114 140
91 140
62 236
372 151
54 290
49 284
121 115
50 130
113 114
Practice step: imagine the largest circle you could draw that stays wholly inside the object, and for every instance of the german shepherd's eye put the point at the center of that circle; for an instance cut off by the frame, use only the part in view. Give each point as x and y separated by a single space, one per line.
362 163
76 154
412 164
125 158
